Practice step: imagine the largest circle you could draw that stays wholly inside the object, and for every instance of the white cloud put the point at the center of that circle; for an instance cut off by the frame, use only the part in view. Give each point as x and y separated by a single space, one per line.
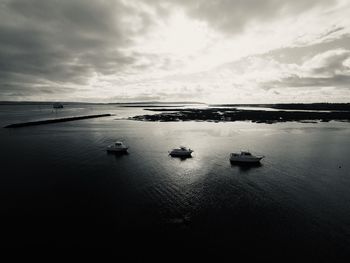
327 64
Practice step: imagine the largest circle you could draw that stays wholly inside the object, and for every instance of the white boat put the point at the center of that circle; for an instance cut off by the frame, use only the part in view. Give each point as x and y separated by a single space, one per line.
181 152
245 157
117 147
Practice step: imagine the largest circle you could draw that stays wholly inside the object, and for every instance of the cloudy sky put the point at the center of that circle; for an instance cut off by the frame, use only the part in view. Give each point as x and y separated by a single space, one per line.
216 51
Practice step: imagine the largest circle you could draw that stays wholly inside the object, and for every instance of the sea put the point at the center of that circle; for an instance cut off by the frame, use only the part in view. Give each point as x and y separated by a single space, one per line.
60 188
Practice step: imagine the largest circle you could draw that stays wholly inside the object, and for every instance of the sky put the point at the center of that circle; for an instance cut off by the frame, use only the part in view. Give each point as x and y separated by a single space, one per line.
213 51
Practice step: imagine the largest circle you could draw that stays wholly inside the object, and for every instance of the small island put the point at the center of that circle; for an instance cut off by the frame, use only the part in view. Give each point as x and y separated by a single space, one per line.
234 114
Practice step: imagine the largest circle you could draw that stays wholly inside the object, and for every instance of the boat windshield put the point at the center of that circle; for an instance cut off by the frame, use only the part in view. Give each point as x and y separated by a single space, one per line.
246 153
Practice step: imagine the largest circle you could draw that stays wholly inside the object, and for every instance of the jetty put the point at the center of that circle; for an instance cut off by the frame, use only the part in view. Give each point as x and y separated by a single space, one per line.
49 121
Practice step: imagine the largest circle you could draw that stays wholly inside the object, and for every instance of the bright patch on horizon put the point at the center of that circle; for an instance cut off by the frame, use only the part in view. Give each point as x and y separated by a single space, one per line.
180 36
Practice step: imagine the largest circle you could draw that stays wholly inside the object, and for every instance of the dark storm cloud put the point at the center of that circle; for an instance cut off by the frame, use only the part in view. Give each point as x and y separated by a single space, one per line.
64 41
233 16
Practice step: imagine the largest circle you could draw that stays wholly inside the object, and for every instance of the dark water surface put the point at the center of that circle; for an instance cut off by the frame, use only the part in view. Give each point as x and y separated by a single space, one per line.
59 187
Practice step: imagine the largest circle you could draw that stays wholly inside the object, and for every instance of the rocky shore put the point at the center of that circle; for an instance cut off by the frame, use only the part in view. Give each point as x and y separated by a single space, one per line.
233 114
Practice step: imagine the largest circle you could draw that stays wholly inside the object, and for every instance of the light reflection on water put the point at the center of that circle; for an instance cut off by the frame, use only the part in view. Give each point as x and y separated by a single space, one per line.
297 195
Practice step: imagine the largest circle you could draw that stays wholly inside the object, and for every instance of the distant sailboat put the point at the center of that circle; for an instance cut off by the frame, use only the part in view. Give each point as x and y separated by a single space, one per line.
57 105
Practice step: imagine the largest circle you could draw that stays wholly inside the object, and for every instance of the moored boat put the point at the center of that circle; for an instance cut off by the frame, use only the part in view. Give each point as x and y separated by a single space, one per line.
181 152
245 157
57 105
117 147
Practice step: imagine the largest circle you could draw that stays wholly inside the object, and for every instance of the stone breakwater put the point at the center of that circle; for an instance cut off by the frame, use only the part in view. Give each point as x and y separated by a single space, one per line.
49 121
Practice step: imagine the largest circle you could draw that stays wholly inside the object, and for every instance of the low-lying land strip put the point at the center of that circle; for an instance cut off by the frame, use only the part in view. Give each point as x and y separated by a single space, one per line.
233 114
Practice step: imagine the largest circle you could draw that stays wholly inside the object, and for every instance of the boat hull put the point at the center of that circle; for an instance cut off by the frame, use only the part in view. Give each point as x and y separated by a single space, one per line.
181 154
117 150
236 158
250 160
